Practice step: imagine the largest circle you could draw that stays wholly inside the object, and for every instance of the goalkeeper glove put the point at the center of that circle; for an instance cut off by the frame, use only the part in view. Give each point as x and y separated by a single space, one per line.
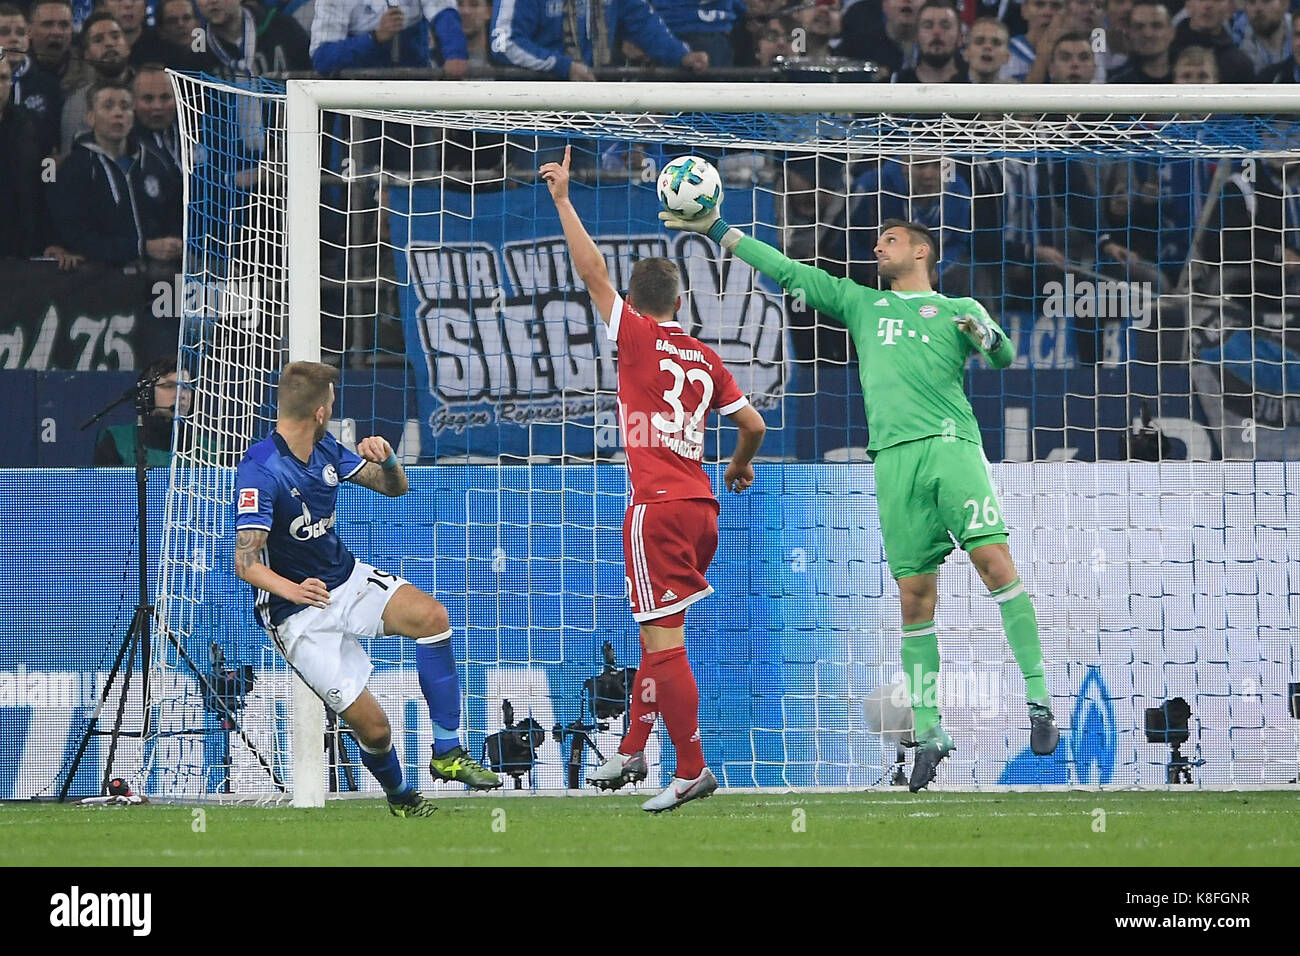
711 224
981 334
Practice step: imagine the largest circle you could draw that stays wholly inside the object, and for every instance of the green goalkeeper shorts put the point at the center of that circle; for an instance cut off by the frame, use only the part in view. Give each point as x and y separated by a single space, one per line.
933 495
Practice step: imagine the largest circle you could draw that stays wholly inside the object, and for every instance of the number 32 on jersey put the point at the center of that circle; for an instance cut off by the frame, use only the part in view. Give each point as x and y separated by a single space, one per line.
673 396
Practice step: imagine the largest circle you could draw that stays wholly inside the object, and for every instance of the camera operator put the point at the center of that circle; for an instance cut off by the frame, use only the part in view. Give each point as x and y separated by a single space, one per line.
169 399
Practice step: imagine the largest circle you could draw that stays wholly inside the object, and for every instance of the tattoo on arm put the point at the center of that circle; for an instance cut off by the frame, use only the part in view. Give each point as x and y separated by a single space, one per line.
387 481
248 549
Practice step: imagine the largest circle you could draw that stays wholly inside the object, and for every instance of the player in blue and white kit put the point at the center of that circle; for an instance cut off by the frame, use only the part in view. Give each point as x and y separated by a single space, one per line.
316 600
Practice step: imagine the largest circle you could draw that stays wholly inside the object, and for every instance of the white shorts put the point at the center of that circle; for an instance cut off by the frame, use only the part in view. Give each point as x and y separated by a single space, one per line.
323 643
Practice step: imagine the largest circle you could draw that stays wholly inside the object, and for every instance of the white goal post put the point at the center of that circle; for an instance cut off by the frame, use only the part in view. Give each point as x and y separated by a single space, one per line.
307 98
994 120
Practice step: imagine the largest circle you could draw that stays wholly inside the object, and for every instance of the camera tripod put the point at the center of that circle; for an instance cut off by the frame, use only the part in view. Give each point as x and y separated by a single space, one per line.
893 774
1179 769
138 637
579 736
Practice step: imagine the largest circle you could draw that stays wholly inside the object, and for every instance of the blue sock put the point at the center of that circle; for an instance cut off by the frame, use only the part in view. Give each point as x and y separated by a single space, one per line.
386 769
441 689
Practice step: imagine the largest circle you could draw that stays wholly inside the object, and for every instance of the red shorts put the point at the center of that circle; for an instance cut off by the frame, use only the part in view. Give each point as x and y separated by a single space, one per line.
667 547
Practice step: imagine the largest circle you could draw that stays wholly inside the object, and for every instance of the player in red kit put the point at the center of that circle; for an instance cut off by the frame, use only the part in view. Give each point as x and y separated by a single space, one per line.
668 382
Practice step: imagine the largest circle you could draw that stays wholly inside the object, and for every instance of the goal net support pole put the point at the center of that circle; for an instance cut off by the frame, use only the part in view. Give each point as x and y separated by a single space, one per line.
302 218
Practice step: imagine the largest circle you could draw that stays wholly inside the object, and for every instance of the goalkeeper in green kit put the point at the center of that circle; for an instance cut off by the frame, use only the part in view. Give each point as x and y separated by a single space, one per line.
933 483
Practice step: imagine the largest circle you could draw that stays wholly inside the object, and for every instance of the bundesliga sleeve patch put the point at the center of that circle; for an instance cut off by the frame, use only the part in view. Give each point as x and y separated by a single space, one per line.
248 501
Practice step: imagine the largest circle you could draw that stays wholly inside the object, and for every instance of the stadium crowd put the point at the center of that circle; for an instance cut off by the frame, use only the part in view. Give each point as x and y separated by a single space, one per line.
89 138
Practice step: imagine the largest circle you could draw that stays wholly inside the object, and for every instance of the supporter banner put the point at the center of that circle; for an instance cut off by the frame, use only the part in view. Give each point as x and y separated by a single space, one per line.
88 320
510 355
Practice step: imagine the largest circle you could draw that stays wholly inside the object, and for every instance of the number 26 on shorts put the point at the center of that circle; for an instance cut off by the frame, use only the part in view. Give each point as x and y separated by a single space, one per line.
990 513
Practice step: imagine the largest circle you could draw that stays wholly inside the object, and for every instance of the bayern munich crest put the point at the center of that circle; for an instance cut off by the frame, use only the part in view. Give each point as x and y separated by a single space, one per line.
928 311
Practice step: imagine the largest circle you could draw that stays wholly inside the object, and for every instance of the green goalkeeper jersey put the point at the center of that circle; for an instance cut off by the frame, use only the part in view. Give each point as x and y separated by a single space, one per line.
911 354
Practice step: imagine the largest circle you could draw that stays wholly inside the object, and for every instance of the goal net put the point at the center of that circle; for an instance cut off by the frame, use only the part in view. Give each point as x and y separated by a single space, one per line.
1142 262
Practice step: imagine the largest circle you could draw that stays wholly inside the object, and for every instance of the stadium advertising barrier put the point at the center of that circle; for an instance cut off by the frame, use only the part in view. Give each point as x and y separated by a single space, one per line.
509 354
1150 581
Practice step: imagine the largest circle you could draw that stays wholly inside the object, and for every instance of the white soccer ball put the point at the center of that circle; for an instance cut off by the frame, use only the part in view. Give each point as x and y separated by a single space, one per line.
690 187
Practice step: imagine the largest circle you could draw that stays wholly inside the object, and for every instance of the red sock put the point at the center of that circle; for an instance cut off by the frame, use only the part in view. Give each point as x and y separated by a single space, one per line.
679 702
644 707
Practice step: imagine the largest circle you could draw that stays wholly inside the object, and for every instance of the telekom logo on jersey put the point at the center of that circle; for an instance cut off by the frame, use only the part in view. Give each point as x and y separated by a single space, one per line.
889 329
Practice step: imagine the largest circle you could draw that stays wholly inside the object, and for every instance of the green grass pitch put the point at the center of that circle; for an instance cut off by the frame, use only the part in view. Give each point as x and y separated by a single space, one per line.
1052 829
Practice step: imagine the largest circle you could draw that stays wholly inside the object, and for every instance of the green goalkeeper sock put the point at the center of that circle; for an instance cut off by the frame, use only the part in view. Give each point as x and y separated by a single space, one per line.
921 672
1021 625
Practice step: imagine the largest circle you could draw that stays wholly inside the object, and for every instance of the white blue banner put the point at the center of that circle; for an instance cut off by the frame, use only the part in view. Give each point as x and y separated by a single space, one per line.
509 354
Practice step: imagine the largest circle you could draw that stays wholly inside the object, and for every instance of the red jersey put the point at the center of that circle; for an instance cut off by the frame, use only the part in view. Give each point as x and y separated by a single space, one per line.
668 382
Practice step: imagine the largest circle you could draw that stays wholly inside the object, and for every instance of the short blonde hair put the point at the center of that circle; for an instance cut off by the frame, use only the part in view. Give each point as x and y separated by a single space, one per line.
305 387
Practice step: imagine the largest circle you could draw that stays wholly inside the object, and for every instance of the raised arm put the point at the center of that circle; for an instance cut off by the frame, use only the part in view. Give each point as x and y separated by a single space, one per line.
250 567
382 472
817 288
587 260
